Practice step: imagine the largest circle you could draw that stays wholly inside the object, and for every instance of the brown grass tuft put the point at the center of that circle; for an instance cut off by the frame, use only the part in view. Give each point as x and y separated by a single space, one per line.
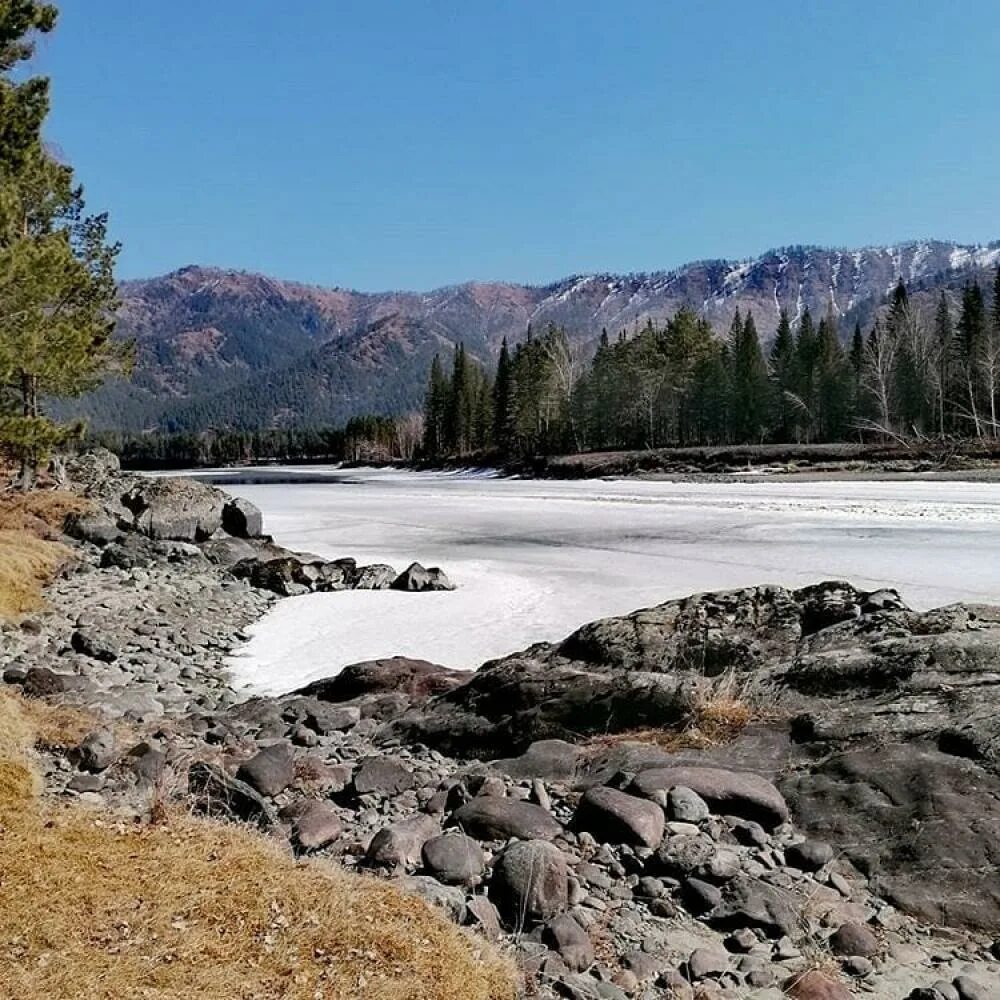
29 554
201 910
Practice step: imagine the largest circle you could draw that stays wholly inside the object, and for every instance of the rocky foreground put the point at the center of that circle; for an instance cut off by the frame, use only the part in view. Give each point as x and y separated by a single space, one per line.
845 840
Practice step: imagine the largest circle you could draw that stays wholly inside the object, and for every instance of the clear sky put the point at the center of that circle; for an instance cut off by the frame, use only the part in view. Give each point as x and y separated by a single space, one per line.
416 143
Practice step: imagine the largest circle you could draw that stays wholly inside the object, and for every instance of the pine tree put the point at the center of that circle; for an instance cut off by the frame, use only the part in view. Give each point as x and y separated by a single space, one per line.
435 410
749 388
503 400
784 379
948 387
833 381
57 288
971 342
805 366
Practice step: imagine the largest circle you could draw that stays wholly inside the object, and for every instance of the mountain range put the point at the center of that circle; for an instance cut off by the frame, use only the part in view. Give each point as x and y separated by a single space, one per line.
222 348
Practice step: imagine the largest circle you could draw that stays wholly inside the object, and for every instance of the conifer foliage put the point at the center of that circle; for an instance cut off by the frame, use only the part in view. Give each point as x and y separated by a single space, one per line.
57 288
911 376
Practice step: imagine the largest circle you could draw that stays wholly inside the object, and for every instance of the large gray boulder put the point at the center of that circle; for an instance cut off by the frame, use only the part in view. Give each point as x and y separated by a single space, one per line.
175 509
530 882
242 519
489 817
618 818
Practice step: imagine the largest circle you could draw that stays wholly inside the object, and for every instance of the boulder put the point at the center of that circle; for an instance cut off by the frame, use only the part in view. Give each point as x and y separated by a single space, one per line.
551 760
570 941
446 898
270 771
384 776
242 519
92 526
815 985
87 642
530 882
809 855
315 825
453 858
378 576
92 467
618 818
401 844
852 938
490 817
750 902
737 793
179 509
416 578
417 679
686 806
97 751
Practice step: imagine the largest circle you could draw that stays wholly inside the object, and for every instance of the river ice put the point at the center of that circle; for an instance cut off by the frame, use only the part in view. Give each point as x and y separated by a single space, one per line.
532 560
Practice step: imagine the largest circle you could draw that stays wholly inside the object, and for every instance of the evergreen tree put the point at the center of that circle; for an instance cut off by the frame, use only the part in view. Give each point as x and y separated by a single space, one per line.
784 380
503 400
948 386
833 381
971 344
435 410
805 367
57 288
749 387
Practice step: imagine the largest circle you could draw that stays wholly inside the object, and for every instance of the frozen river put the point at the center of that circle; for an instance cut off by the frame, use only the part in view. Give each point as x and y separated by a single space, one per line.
534 559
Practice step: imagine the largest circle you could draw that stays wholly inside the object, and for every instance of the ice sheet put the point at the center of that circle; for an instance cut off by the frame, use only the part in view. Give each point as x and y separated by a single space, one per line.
535 559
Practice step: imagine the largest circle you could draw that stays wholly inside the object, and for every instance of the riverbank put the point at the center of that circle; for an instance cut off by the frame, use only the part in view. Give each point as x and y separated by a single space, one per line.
726 877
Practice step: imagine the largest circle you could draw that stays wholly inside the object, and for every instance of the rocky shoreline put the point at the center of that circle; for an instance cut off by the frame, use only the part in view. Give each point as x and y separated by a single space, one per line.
844 841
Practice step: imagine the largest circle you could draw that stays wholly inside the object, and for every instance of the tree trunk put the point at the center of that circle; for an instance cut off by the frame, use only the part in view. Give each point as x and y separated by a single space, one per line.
29 409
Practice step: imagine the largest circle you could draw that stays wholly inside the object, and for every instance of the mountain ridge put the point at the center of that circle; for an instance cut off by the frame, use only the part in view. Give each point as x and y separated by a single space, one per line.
209 334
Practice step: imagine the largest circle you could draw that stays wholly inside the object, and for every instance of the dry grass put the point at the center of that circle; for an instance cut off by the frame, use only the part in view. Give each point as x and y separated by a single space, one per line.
716 711
29 556
200 910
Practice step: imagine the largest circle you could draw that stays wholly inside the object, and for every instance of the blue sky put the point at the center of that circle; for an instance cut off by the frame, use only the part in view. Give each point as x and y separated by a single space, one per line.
417 143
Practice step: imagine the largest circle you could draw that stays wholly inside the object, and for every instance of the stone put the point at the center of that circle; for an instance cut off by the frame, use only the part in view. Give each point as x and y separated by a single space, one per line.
749 902
242 519
97 751
167 508
97 647
493 818
316 825
378 576
445 897
852 938
700 896
216 793
686 806
970 989
95 527
570 941
815 985
530 882
736 793
809 855
382 775
417 679
618 818
416 578
483 915
401 844
453 858
270 771
705 962
550 760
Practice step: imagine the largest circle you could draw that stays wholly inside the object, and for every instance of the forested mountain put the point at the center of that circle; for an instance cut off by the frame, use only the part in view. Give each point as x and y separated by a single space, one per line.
223 348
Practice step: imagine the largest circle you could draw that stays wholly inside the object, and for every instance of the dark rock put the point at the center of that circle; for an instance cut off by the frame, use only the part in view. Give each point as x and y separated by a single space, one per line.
95 527
700 896
494 818
970 989
316 825
445 897
552 760
416 578
618 818
809 855
707 962
286 575
737 793
530 882
216 793
131 553
270 771
242 519
815 985
681 856
97 751
401 844
483 915
417 679
852 938
147 762
41 682
98 647
570 941
749 902
384 776
454 859
686 806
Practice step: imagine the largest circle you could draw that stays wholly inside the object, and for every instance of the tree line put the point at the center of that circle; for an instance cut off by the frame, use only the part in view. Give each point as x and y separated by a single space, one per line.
910 376
366 439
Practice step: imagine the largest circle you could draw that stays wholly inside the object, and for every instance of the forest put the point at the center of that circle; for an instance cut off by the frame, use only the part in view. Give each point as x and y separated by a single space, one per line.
911 376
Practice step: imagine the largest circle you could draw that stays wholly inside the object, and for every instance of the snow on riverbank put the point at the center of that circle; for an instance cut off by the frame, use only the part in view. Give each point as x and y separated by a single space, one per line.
535 559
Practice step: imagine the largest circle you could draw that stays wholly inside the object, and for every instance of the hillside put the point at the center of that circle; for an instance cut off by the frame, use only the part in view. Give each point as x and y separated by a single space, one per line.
219 348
